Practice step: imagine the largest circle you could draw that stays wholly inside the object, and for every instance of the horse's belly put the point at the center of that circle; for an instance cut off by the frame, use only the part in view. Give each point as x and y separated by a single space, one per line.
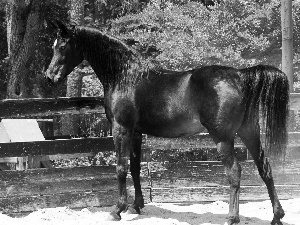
178 127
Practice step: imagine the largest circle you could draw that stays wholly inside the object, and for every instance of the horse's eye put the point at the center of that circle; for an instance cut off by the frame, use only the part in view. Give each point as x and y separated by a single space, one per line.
62 48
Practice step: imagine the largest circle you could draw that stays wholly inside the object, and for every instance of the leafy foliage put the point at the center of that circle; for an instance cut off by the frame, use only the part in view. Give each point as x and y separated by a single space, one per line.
185 33
100 159
92 86
236 33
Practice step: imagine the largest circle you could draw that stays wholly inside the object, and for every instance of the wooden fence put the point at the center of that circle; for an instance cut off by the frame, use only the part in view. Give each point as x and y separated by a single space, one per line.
173 170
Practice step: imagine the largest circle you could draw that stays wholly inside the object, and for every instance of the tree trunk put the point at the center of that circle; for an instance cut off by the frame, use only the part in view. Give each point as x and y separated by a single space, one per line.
16 24
22 38
29 47
8 18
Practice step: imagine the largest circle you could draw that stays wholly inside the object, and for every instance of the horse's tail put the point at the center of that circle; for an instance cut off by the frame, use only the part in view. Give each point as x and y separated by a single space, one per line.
266 88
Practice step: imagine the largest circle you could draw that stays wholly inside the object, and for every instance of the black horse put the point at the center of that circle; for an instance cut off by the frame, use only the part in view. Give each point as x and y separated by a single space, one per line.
141 97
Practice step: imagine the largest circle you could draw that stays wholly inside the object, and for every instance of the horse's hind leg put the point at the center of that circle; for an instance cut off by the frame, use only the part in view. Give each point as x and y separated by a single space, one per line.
250 135
233 171
135 168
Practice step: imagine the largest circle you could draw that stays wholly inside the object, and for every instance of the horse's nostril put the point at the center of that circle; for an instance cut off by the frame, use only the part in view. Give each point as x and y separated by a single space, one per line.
49 81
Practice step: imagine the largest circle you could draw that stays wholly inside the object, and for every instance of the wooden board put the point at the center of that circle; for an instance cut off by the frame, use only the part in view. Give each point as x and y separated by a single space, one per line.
69 146
153 148
37 107
83 199
191 174
206 181
203 140
97 185
43 107
220 193
29 190
22 204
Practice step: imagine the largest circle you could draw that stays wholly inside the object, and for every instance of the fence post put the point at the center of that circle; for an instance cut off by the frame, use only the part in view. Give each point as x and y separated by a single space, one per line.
287 40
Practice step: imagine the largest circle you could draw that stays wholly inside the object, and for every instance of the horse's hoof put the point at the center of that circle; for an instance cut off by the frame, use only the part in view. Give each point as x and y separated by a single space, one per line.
276 222
233 220
113 217
133 210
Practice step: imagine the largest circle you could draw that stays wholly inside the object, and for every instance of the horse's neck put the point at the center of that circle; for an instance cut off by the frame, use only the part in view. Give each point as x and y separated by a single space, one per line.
110 73
97 69
96 66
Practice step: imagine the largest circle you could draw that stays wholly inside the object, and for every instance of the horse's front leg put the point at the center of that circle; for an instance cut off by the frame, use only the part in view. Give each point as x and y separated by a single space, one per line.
135 168
123 140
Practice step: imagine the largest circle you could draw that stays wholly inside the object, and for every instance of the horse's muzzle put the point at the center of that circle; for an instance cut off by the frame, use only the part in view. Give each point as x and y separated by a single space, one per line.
47 77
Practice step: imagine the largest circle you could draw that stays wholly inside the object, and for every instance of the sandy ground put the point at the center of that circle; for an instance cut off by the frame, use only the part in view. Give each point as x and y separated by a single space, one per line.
253 213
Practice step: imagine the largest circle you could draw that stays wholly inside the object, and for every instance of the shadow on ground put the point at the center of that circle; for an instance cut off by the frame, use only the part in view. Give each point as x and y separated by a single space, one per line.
191 218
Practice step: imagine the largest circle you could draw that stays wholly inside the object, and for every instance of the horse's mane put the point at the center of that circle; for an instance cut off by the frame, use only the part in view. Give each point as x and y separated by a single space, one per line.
118 63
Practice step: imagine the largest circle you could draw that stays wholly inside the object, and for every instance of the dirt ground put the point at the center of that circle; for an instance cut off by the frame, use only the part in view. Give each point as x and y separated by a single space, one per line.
252 213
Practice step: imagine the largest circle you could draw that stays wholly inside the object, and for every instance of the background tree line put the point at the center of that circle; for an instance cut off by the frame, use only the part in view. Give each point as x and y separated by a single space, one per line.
181 34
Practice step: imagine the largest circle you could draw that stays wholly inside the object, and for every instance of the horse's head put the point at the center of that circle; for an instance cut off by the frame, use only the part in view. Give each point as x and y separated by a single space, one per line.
65 54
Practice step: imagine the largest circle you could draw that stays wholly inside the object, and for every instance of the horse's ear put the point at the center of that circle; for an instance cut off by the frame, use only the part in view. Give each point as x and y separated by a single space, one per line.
63 30
52 24
71 26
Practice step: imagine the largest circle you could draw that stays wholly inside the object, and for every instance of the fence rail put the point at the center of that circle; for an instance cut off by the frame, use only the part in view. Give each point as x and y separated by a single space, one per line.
165 176
44 107
66 146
